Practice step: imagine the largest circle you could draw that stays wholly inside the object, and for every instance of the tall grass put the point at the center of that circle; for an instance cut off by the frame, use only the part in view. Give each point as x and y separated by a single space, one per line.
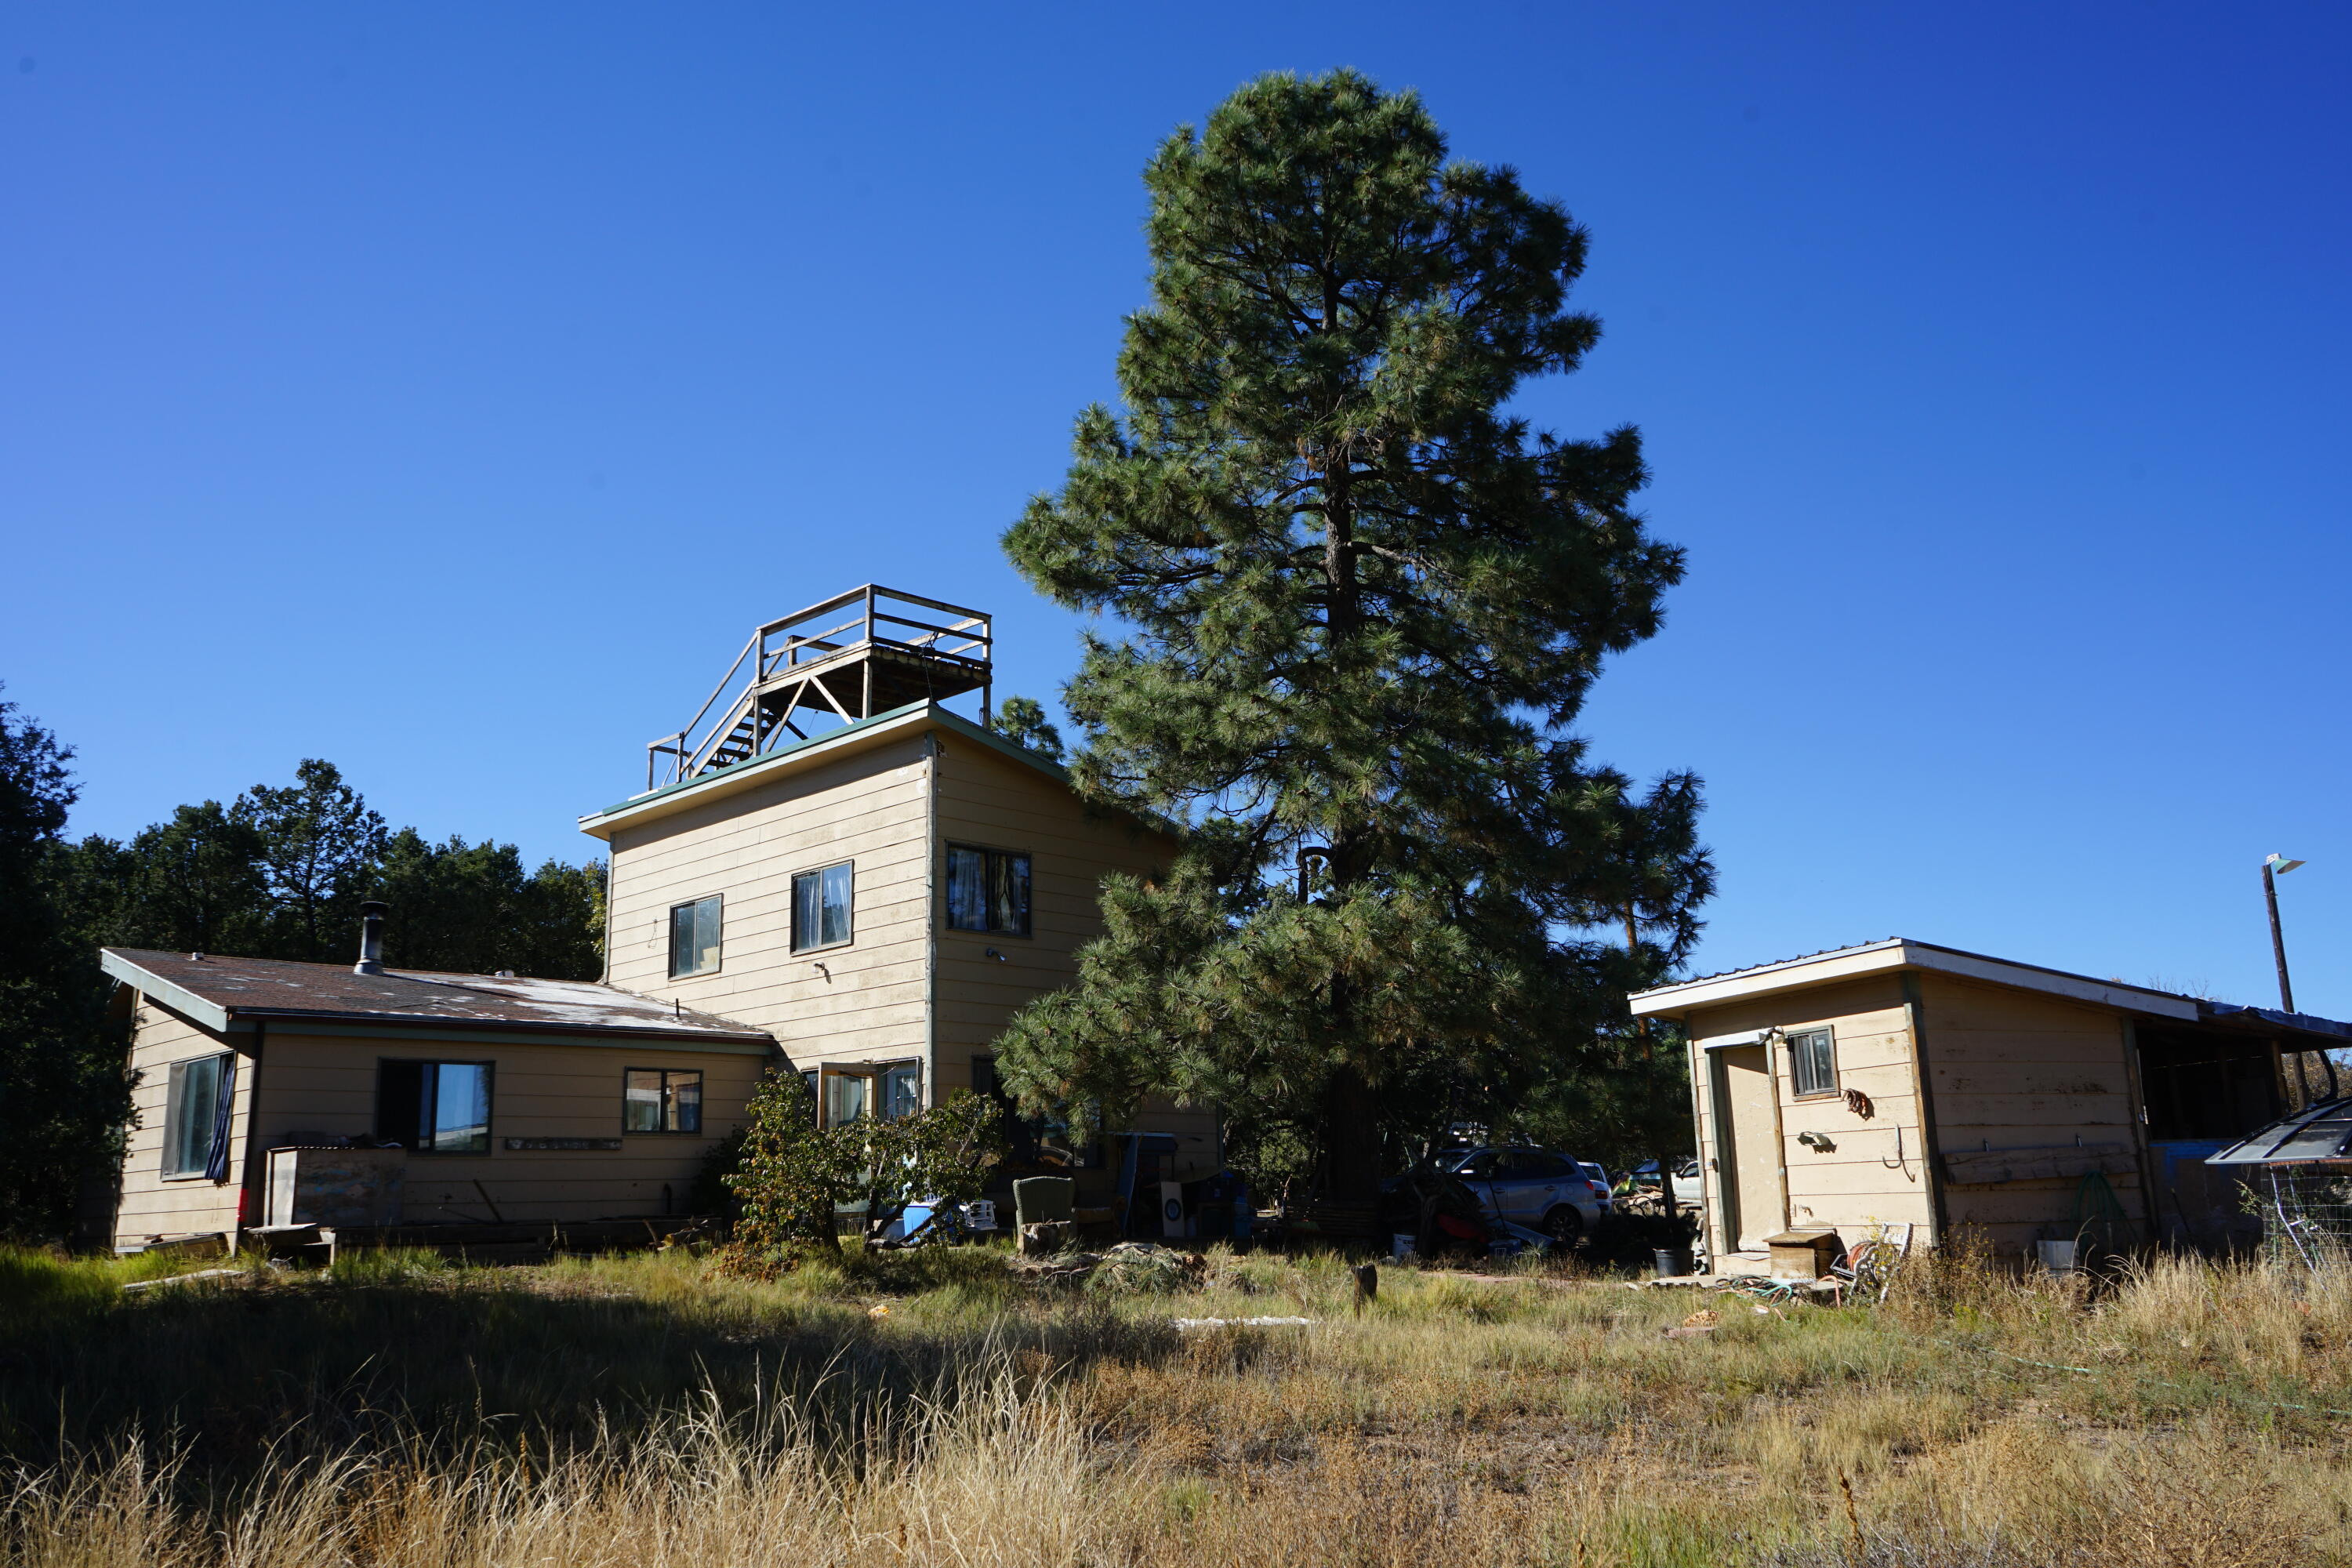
644 1412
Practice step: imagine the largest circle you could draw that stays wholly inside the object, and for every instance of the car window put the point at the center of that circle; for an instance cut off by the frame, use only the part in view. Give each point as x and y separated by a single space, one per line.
1478 1165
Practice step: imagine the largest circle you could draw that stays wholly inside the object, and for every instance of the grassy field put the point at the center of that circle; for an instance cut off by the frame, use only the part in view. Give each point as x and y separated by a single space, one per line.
934 1408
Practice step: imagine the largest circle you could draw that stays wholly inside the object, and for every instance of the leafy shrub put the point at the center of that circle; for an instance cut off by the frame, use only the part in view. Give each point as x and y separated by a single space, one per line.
791 1176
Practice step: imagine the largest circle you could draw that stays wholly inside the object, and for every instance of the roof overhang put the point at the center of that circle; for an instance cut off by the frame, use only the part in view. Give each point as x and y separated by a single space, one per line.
1893 956
223 1019
178 998
785 761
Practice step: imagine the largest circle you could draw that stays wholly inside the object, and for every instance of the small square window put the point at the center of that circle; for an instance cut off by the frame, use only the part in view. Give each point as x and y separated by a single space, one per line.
1812 1062
821 908
988 890
660 1099
694 938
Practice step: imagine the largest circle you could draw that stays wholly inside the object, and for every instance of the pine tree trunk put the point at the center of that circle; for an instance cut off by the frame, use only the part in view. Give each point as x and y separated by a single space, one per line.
1352 1133
1351 1137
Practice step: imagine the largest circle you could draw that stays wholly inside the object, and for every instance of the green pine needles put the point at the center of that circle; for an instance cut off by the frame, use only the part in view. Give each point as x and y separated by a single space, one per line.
1352 607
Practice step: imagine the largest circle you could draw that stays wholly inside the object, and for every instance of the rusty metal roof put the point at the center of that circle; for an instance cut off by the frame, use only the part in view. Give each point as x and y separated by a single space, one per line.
217 991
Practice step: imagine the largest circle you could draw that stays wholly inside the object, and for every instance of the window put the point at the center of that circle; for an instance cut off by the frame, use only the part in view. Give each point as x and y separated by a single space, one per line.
821 908
902 1090
845 1097
988 889
434 1108
196 1118
694 938
1812 1062
657 1100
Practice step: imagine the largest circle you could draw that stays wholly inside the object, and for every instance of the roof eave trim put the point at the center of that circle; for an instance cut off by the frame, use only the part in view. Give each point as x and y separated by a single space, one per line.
661 802
178 998
499 1025
1897 954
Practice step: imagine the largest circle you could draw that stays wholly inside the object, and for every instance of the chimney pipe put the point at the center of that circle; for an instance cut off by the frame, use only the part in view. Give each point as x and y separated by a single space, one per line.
371 939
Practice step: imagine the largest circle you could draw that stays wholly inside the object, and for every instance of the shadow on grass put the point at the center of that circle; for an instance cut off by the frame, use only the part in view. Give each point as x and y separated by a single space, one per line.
390 1359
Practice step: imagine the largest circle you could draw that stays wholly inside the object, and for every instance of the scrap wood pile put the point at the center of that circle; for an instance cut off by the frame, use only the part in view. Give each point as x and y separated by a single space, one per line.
1644 1201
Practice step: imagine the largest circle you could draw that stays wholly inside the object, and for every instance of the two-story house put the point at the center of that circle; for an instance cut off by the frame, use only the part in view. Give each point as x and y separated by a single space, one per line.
829 867
880 895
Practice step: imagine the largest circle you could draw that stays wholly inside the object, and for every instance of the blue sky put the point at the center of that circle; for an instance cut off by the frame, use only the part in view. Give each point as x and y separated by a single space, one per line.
447 391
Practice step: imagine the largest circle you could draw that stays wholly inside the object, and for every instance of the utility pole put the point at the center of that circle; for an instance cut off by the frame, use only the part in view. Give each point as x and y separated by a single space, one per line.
2280 866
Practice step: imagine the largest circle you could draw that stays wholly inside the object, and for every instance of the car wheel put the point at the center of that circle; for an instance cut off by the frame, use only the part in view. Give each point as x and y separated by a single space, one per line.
1564 1226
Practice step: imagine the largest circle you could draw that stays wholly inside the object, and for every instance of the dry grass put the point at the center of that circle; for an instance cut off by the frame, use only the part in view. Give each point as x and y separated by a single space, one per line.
644 1412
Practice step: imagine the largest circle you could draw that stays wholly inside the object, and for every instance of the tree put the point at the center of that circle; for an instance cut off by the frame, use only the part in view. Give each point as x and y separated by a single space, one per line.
1023 721
194 884
470 908
1364 606
63 1092
319 845
790 1176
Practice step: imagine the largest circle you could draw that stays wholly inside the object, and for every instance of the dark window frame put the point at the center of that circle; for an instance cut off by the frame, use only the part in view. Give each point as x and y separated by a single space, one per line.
991 857
718 936
417 1145
848 908
1798 1070
668 1103
886 1071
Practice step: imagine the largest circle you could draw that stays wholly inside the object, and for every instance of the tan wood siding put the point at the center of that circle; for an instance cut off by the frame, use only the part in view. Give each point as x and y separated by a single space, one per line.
152 1204
2014 1070
995 803
327 1084
866 1002
1874 1172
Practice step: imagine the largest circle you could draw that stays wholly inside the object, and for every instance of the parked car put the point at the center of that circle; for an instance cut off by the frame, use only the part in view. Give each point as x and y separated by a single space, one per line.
1602 1185
1688 1188
1539 1188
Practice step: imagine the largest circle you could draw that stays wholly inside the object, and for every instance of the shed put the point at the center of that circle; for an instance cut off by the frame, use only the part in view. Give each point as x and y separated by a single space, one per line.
1899 1087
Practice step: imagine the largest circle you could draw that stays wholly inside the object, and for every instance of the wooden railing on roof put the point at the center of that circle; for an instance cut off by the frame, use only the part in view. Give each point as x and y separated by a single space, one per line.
875 657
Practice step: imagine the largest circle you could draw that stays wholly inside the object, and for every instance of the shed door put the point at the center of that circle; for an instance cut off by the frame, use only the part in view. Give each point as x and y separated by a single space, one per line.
1747 1102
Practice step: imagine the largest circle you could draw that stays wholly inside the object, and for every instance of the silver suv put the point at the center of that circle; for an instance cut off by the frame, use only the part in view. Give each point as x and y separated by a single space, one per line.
1539 1188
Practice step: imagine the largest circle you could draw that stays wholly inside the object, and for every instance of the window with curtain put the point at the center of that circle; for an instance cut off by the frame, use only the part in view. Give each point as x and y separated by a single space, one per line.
434 1108
661 1099
1812 1062
821 908
195 1119
988 890
694 938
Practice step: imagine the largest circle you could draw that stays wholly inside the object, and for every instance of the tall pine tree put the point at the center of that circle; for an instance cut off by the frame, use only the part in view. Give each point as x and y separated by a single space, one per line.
1359 606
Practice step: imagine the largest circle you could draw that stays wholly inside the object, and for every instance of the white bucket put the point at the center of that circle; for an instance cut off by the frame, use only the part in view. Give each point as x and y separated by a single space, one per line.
2057 1257
1401 1246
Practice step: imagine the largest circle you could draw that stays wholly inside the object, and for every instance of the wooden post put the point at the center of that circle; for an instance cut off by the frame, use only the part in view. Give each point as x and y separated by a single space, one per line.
2278 941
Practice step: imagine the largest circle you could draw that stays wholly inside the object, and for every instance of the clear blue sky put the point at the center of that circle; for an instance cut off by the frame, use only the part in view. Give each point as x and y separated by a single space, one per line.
447 390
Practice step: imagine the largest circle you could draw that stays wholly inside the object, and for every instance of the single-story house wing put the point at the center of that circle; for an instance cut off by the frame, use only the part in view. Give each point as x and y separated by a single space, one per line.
409 1097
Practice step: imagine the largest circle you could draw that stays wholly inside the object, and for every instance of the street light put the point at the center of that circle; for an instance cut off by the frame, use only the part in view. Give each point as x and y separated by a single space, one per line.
2273 868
